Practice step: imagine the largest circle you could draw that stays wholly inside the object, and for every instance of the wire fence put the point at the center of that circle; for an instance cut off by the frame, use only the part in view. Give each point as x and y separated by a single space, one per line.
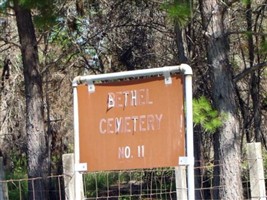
134 184
146 184
17 189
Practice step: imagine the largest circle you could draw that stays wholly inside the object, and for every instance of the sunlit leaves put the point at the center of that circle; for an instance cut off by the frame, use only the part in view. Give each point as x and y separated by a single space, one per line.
205 115
46 13
178 10
246 2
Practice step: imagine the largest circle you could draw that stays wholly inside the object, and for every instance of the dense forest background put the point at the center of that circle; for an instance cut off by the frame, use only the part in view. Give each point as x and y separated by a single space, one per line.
45 44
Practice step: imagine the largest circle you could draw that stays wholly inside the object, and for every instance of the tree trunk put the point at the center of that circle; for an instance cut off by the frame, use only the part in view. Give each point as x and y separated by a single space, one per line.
35 129
255 77
179 40
199 162
227 140
255 95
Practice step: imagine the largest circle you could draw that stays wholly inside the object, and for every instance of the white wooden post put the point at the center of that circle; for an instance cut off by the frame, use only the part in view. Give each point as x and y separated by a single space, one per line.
3 185
180 181
68 170
78 181
256 172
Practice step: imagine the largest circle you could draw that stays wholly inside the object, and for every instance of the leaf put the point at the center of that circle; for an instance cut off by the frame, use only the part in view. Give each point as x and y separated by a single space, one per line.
263 47
246 2
178 10
205 115
3 5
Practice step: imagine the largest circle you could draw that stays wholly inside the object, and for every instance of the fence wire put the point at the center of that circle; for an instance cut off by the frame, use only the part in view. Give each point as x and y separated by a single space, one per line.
146 184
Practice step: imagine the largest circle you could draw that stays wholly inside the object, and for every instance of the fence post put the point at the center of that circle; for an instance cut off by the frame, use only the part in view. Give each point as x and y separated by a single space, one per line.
3 185
256 173
180 181
68 170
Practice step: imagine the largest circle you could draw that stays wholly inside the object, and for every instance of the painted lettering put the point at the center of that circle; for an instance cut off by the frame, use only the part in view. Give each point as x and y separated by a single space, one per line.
125 98
124 152
111 101
127 123
134 98
150 122
110 125
158 120
119 99
130 124
135 118
128 98
102 126
118 124
142 121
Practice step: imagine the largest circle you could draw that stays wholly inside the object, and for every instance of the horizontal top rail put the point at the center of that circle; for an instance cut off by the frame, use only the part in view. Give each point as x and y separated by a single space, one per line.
184 68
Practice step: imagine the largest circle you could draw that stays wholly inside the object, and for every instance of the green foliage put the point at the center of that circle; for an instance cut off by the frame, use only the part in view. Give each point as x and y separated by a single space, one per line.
60 36
263 47
246 2
36 4
46 9
205 116
3 5
47 14
130 185
178 10
98 182
264 155
44 22
18 172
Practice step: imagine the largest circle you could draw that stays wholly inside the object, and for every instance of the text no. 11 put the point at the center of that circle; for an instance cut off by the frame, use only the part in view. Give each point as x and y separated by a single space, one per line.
127 152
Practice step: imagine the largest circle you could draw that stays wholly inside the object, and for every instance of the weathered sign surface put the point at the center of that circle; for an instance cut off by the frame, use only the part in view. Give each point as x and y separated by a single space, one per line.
131 124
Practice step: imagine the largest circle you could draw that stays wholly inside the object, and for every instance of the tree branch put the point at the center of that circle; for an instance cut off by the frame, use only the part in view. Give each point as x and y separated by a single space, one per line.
9 42
249 70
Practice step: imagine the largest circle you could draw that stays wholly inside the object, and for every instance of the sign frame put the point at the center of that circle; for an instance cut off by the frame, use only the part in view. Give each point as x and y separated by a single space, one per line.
187 160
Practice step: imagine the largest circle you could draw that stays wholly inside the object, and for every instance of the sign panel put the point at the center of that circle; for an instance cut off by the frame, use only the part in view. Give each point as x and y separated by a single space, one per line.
131 124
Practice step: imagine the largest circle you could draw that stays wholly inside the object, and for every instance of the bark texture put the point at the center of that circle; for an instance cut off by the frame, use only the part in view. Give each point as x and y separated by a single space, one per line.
35 129
227 140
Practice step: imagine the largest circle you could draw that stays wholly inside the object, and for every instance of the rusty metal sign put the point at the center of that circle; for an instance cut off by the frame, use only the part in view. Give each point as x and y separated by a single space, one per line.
131 124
